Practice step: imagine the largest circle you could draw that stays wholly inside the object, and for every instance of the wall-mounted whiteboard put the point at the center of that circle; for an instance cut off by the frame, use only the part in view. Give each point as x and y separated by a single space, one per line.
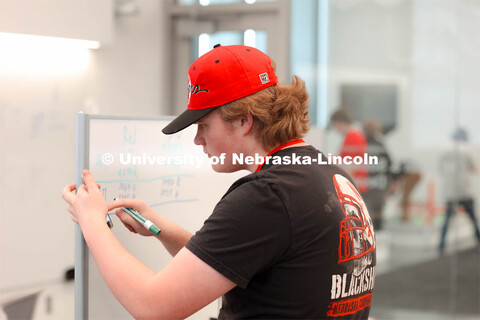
132 158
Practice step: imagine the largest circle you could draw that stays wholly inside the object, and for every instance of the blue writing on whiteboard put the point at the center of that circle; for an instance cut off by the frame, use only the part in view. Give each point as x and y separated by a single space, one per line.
129 135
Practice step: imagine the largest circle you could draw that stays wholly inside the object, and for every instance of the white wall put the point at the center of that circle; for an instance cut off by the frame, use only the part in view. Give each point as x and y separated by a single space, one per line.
370 34
370 42
86 20
427 49
37 140
443 77
128 78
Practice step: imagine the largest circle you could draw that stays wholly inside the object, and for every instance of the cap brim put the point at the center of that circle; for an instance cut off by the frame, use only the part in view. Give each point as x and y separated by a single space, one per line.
186 119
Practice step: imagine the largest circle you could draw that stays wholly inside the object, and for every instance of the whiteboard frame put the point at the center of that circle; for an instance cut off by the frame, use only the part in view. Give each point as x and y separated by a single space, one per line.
81 163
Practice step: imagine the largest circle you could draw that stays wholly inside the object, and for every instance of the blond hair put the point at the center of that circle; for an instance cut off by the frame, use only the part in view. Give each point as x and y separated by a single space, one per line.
280 112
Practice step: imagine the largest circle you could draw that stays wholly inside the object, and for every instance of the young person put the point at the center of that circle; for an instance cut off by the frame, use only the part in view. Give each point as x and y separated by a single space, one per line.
458 168
354 144
293 239
379 175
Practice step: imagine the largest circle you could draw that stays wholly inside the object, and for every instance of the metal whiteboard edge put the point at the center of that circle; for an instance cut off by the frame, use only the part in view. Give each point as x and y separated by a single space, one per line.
81 249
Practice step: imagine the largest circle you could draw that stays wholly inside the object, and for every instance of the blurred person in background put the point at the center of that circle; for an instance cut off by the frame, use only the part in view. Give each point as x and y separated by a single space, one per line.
354 144
379 175
457 167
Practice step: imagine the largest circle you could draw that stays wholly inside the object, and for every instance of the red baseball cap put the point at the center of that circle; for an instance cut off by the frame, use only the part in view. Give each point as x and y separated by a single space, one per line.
223 75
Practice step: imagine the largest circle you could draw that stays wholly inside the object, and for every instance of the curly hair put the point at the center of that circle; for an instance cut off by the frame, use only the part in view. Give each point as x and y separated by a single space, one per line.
280 112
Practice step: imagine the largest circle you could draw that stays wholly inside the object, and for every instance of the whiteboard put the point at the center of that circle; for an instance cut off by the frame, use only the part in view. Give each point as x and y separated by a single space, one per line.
132 158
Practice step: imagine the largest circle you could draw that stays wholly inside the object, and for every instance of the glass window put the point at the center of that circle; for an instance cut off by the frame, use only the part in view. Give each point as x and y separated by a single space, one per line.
205 42
215 2
403 70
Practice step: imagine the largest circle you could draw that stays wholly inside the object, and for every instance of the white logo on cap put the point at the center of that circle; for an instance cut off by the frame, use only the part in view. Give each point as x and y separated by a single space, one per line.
189 89
195 89
264 78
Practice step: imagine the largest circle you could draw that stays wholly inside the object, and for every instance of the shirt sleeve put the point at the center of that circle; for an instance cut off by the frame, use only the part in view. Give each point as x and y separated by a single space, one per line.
248 231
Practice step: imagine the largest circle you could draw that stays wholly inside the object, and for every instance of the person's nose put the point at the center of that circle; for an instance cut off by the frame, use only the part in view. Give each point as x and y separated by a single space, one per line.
199 140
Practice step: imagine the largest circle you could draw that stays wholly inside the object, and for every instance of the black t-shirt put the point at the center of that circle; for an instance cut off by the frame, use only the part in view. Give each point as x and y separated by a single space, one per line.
378 174
296 239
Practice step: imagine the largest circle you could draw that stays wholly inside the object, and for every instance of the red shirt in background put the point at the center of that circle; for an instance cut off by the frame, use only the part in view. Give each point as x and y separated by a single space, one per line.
355 144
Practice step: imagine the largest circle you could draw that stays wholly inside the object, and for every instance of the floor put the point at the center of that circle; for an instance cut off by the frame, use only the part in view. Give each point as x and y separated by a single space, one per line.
399 245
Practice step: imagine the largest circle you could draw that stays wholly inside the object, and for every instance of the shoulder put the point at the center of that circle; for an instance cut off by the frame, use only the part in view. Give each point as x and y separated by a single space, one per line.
251 206
254 190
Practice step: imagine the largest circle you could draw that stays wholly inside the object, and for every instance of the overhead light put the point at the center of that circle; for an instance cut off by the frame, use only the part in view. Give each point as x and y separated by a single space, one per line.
203 44
32 40
25 54
249 38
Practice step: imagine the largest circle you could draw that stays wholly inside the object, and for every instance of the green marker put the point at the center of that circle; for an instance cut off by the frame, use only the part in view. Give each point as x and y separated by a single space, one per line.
141 219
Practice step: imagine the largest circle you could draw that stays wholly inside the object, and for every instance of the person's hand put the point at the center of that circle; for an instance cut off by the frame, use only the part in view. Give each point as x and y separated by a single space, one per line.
130 223
88 204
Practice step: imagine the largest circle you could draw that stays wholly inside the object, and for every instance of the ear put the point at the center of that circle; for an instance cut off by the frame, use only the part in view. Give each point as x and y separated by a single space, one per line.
246 123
